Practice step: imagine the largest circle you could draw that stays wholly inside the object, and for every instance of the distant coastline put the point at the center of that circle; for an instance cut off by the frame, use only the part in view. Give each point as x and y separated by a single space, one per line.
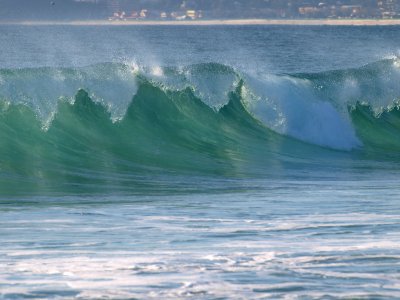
300 22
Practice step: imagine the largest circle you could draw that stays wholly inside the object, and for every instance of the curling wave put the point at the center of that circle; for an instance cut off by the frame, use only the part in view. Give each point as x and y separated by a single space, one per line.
117 123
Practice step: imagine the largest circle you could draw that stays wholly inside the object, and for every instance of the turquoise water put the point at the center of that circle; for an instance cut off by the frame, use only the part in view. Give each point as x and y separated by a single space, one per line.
199 162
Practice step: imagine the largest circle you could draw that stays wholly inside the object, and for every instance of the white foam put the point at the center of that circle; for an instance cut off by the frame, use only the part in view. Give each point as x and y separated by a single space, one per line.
157 71
289 106
210 83
42 89
375 85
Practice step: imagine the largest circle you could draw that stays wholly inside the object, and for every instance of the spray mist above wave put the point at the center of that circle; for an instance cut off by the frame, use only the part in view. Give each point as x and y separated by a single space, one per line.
310 107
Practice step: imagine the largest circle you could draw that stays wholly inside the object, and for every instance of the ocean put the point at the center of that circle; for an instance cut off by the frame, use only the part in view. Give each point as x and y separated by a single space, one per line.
199 162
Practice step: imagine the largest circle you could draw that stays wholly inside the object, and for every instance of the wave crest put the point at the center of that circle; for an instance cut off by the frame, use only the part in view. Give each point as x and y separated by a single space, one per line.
203 119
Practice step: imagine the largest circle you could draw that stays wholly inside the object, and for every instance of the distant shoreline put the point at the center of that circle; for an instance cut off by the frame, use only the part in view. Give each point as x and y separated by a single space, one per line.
299 22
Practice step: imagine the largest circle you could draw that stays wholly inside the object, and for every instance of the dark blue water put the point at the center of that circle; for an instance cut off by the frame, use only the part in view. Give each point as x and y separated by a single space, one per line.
254 162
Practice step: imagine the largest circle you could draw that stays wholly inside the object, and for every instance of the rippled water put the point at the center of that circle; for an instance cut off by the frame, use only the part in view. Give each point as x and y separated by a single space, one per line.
288 239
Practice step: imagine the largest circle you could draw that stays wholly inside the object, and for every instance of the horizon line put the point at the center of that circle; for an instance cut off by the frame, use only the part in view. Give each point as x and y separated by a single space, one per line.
213 22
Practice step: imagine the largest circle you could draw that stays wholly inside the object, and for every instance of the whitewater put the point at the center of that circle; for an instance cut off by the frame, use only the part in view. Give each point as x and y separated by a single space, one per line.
217 162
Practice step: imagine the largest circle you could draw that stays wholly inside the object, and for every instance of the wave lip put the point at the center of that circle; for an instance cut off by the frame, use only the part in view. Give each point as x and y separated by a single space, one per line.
309 107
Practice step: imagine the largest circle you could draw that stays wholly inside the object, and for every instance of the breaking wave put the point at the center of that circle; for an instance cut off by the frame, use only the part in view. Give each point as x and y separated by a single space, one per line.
63 128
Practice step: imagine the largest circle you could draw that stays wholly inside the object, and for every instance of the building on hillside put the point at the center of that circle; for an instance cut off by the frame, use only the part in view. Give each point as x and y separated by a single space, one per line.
143 13
351 11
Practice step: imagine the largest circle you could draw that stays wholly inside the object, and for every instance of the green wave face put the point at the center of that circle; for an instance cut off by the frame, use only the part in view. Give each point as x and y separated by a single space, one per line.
174 132
161 133
201 125
379 133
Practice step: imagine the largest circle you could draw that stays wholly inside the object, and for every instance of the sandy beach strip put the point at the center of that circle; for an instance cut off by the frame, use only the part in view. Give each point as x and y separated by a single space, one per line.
303 22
